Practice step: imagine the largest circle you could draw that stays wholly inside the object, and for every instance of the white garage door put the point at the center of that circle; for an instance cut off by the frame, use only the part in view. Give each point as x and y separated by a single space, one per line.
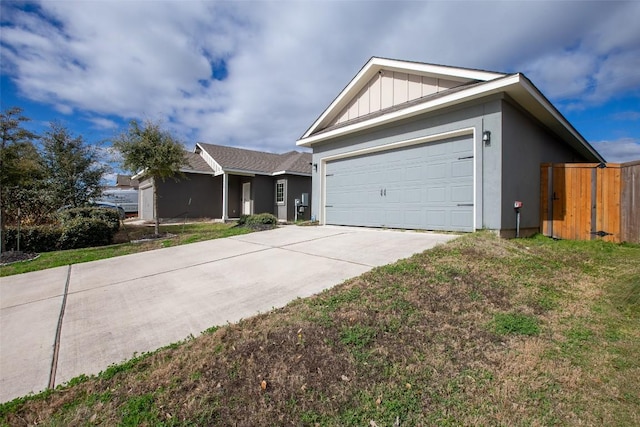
428 186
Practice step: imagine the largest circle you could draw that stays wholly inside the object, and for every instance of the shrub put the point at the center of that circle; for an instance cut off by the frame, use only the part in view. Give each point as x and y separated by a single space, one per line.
261 221
79 228
243 219
84 232
108 216
40 238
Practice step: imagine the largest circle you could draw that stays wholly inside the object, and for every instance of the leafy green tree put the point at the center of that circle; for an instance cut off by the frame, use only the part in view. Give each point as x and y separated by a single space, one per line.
73 169
150 150
20 165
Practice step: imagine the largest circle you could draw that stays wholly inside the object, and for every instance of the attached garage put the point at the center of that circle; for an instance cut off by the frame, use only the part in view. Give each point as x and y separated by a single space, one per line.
421 146
421 186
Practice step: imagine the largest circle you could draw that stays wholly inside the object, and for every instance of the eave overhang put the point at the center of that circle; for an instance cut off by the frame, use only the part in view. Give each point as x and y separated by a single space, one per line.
376 65
517 86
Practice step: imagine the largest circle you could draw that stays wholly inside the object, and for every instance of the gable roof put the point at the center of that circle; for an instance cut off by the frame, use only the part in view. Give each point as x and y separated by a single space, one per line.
222 158
473 84
126 181
195 164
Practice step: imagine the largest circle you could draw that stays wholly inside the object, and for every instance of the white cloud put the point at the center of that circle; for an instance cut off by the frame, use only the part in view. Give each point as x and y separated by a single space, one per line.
619 151
102 123
573 80
627 116
286 61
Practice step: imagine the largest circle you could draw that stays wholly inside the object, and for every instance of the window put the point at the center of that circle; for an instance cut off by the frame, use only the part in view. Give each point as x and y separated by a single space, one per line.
280 193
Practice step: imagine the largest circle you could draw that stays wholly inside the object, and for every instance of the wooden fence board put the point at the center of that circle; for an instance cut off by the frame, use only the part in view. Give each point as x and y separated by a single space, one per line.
584 201
630 202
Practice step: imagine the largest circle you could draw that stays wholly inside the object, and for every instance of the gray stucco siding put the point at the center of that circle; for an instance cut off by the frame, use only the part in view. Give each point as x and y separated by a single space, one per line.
190 197
262 194
296 185
525 145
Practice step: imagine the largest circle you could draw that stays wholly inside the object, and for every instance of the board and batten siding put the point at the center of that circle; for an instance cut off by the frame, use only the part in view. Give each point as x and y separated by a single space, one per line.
389 88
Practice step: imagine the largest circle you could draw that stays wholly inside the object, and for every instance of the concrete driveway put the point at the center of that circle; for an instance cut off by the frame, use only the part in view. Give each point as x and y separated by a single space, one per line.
59 323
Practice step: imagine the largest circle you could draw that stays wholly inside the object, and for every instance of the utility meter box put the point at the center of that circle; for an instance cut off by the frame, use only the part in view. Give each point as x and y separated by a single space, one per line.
305 199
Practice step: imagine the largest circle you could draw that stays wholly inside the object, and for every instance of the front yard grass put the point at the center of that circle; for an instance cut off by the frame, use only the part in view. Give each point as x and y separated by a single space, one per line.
479 331
182 234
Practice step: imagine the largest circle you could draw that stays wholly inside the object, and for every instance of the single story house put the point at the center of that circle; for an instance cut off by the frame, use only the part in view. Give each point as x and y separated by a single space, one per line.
422 146
223 182
125 182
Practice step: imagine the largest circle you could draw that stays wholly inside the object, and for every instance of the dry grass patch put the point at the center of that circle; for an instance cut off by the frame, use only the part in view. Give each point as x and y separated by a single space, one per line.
413 343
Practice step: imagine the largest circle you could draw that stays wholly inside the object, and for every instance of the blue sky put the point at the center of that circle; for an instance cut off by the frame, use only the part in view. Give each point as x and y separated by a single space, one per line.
256 74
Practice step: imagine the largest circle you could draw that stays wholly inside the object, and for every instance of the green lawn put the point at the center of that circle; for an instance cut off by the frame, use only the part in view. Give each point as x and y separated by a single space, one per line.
183 234
480 331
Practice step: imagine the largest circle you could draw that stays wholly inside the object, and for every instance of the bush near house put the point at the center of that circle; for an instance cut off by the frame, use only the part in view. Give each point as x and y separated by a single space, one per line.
108 216
77 228
36 238
263 221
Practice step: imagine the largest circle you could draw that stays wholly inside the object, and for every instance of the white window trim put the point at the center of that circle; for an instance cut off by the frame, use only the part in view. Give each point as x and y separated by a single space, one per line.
284 192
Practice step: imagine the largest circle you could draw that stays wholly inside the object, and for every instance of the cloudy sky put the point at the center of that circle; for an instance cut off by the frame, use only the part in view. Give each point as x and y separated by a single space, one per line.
256 74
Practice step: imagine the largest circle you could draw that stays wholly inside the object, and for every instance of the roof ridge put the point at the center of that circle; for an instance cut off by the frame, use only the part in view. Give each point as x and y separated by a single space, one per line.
291 157
453 67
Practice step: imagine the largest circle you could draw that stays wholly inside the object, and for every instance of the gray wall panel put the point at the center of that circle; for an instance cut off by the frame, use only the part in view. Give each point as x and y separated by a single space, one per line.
526 144
190 197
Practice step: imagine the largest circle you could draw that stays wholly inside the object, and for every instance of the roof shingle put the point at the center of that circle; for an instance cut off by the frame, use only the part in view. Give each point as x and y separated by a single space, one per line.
232 158
195 163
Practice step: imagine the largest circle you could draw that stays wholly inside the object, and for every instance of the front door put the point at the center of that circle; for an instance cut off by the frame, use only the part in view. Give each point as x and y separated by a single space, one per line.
246 198
281 199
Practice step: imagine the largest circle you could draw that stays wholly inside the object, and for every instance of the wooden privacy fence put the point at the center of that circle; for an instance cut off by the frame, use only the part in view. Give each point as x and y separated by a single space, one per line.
583 201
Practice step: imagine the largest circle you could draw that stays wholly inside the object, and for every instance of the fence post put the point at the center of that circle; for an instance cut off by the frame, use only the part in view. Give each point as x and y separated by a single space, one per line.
594 202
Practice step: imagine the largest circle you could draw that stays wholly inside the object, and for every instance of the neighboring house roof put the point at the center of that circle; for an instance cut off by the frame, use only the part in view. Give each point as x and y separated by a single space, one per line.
430 88
222 158
196 164
126 181
217 159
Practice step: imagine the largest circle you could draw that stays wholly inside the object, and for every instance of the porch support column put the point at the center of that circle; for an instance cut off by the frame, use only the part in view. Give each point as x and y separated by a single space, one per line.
225 197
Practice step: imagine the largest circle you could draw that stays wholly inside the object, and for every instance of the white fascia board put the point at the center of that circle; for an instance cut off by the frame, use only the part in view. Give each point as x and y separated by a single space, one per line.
217 168
139 174
290 173
444 101
436 70
376 64
341 100
239 172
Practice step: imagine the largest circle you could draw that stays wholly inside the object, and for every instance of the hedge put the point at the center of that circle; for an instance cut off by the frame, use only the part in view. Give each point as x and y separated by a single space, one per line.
109 216
40 238
84 233
78 228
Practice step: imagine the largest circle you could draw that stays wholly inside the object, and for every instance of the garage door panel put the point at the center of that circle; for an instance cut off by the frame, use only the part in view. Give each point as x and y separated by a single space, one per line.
461 194
414 173
413 187
462 168
462 145
461 217
437 171
436 219
412 195
436 195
